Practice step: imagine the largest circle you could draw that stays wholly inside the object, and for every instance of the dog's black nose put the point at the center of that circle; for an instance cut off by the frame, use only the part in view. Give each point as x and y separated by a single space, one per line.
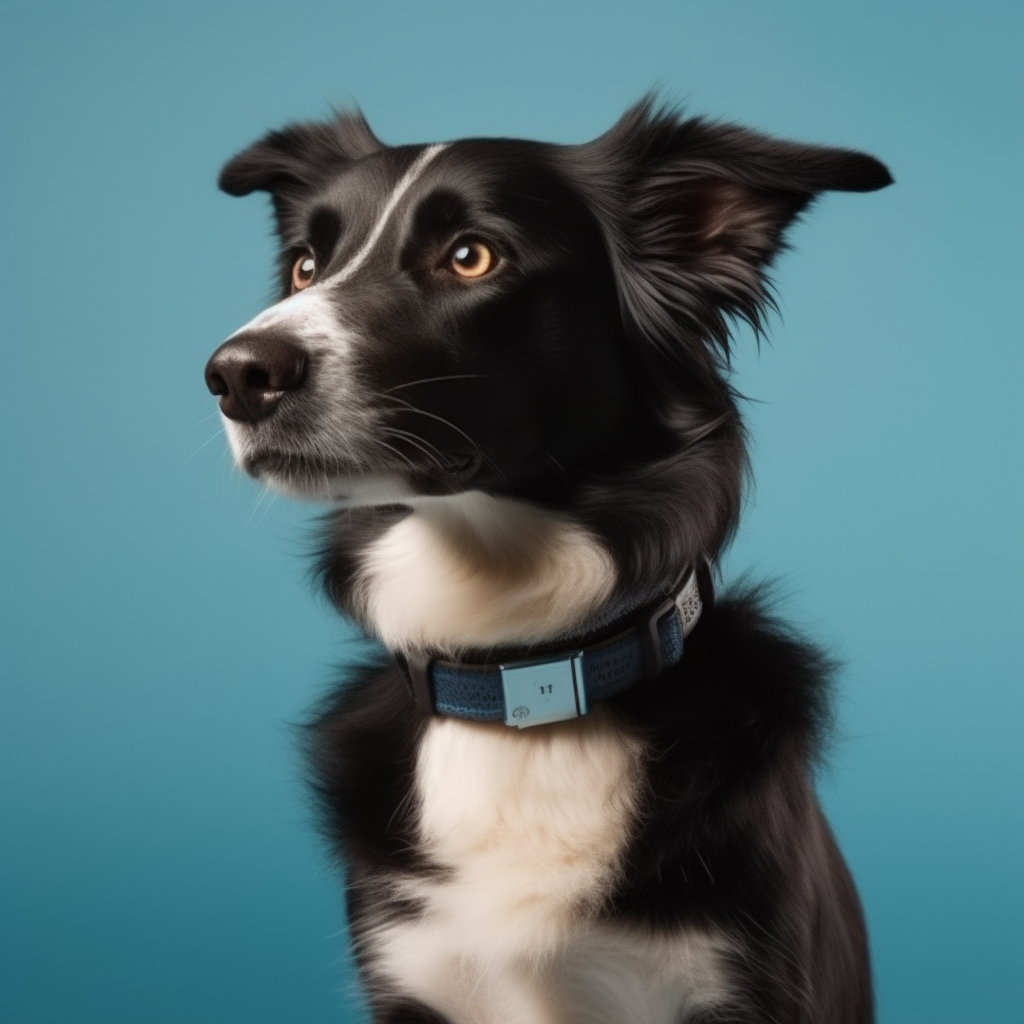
252 373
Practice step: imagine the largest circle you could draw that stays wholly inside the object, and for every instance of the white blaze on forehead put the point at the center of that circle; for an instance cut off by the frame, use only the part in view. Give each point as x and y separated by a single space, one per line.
400 189
307 313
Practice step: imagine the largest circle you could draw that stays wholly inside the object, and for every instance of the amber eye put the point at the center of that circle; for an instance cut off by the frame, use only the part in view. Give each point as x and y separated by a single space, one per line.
469 259
303 272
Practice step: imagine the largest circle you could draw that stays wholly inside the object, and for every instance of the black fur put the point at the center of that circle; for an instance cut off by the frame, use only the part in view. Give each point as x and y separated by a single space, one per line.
587 376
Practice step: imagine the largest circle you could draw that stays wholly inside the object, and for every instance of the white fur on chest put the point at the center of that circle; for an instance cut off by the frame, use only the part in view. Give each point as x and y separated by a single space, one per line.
530 828
476 571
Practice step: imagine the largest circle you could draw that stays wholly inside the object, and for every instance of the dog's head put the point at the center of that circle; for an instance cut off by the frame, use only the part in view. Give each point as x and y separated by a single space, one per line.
503 315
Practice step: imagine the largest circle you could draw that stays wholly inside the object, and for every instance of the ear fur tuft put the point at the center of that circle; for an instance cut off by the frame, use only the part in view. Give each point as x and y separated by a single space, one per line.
299 155
694 212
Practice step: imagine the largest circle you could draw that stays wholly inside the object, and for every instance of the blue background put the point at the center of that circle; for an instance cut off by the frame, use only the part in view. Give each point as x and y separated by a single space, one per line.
159 636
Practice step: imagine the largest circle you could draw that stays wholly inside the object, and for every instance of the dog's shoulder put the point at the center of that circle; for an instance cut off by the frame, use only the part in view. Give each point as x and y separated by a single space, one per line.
361 746
746 674
732 734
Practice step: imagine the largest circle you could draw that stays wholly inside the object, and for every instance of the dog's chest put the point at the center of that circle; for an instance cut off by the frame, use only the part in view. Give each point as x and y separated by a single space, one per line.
530 827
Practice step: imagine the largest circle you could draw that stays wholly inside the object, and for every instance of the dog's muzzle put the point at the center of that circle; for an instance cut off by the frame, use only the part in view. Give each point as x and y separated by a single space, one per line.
251 374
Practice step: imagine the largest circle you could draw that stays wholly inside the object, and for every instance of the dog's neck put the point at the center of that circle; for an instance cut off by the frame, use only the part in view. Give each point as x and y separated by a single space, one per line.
476 572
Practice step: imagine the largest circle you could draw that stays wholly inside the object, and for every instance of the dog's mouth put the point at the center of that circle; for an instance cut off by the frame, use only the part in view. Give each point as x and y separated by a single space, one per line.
342 479
463 466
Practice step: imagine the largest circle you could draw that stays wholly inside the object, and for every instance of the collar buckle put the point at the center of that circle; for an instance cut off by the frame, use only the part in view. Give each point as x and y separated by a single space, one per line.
540 692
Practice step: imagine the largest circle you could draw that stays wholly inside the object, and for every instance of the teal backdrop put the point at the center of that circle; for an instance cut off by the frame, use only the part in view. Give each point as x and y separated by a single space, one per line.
160 639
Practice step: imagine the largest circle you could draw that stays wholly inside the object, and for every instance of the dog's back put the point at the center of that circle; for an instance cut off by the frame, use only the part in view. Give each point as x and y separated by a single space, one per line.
578 789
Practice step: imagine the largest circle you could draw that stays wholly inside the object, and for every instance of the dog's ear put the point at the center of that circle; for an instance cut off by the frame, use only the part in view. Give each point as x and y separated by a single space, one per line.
298 157
694 213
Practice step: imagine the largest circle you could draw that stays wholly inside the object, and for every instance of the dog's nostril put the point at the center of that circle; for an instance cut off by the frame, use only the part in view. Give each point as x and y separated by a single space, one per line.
215 383
259 379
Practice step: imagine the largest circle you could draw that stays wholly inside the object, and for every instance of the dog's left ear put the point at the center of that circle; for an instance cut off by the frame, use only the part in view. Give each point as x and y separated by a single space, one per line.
299 155
291 162
694 212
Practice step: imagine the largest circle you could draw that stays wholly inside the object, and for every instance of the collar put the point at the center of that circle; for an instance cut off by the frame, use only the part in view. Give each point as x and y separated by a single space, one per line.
562 685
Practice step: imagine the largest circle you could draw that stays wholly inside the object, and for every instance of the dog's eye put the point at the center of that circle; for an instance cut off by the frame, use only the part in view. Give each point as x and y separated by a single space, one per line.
303 272
470 258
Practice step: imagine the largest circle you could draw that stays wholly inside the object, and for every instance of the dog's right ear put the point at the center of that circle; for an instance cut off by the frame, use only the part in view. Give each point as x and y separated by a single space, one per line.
693 213
299 157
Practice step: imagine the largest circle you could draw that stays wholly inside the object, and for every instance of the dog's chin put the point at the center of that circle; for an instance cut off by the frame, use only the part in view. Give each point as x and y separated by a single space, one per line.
350 486
346 490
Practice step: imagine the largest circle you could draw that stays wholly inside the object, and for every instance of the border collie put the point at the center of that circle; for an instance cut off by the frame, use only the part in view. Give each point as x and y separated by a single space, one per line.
573 787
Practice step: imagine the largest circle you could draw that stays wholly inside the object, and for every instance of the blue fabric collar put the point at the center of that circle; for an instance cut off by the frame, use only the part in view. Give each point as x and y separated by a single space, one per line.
563 685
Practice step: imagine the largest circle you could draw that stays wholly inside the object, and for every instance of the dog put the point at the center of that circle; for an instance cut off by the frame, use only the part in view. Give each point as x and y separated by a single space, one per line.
574 786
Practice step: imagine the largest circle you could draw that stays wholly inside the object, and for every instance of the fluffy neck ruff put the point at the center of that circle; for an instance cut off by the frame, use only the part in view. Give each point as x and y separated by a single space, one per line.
476 572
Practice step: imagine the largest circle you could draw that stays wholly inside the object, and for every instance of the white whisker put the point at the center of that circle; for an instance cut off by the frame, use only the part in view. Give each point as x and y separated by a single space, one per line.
259 501
207 418
432 380
213 437
431 451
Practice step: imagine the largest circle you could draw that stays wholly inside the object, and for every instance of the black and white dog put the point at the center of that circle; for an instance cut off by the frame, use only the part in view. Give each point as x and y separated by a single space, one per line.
577 789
